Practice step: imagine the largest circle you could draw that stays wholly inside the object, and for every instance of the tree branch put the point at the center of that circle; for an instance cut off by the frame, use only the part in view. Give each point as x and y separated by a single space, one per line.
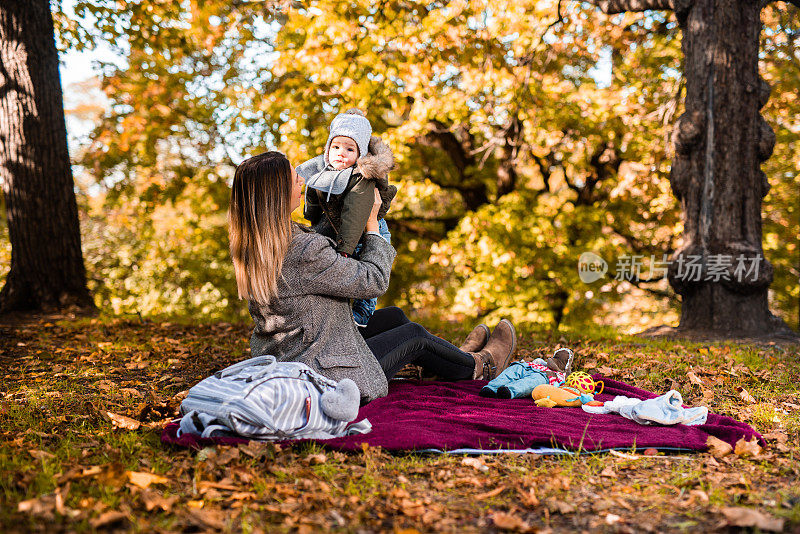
443 138
424 228
458 150
506 171
620 6
558 20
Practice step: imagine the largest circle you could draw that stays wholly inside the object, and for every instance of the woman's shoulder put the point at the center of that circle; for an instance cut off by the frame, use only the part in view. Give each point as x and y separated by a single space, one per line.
299 230
306 242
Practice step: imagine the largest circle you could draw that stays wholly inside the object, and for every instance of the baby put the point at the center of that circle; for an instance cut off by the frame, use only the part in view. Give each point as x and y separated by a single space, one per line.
339 189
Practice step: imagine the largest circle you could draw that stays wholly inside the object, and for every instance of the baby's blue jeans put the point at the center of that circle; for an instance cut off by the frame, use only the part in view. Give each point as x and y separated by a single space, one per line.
363 309
517 381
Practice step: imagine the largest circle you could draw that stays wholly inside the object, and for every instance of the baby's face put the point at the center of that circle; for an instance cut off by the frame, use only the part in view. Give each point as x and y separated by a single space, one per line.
343 152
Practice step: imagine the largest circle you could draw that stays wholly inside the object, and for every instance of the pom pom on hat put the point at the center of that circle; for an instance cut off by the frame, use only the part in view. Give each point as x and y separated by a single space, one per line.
342 403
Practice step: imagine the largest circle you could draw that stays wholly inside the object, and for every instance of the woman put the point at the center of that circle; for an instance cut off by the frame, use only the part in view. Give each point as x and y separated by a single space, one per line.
298 288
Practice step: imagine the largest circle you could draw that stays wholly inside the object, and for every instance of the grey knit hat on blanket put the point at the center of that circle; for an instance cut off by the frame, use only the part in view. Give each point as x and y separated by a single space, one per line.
353 124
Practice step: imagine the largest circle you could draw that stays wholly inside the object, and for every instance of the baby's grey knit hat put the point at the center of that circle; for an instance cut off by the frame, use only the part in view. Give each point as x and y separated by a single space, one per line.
353 124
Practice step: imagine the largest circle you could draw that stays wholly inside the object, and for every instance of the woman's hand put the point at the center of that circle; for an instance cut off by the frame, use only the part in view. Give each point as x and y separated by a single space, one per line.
372 222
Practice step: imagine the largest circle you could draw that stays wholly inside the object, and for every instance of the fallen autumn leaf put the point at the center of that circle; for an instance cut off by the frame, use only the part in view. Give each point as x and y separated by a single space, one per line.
747 448
747 517
122 421
143 480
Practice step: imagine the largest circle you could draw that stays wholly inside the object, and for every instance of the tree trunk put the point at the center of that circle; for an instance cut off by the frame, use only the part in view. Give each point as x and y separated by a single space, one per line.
720 142
47 268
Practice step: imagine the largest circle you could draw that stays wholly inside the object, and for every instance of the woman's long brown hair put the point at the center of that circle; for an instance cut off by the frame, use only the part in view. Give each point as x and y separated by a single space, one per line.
259 224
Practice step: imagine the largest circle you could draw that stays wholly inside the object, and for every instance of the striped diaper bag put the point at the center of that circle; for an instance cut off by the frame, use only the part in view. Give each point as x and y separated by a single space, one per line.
263 399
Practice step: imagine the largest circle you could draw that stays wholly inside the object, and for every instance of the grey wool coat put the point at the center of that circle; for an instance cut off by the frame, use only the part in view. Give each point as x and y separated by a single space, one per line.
310 320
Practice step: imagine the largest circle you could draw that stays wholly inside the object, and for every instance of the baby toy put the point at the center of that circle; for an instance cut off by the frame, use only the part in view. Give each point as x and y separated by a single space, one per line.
549 396
584 383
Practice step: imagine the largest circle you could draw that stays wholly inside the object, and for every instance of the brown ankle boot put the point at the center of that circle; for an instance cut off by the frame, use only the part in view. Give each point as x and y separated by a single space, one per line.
496 355
561 361
476 339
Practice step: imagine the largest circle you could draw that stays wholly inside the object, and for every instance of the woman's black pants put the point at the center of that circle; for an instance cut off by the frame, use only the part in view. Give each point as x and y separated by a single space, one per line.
396 341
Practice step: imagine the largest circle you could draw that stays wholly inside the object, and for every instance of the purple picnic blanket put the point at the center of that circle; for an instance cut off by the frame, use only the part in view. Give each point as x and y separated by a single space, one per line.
419 415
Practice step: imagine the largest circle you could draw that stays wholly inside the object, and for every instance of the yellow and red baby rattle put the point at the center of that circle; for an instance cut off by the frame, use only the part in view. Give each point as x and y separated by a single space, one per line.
584 383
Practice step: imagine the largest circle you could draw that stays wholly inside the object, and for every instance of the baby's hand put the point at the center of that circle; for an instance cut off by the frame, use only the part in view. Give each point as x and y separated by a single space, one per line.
372 222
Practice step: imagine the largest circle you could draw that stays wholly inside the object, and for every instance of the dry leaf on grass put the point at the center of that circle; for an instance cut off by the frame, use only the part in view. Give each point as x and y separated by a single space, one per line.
242 495
623 455
747 448
489 494
159 425
91 471
776 435
608 472
694 379
122 421
314 459
412 508
399 493
153 500
205 485
43 506
528 497
508 521
214 519
717 447
113 474
745 395
561 506
107 518
143 480
747 517
227 455
476 463
780 440
41 455
254 449
606 371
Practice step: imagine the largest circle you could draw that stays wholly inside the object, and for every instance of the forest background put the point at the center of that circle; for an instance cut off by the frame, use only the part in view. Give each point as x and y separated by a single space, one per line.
525 134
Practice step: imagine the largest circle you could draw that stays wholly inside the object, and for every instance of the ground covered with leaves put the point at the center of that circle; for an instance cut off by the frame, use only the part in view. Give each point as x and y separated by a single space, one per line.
83 402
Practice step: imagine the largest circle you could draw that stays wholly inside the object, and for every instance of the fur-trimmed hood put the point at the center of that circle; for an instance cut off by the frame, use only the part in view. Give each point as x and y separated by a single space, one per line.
376 166
377 163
